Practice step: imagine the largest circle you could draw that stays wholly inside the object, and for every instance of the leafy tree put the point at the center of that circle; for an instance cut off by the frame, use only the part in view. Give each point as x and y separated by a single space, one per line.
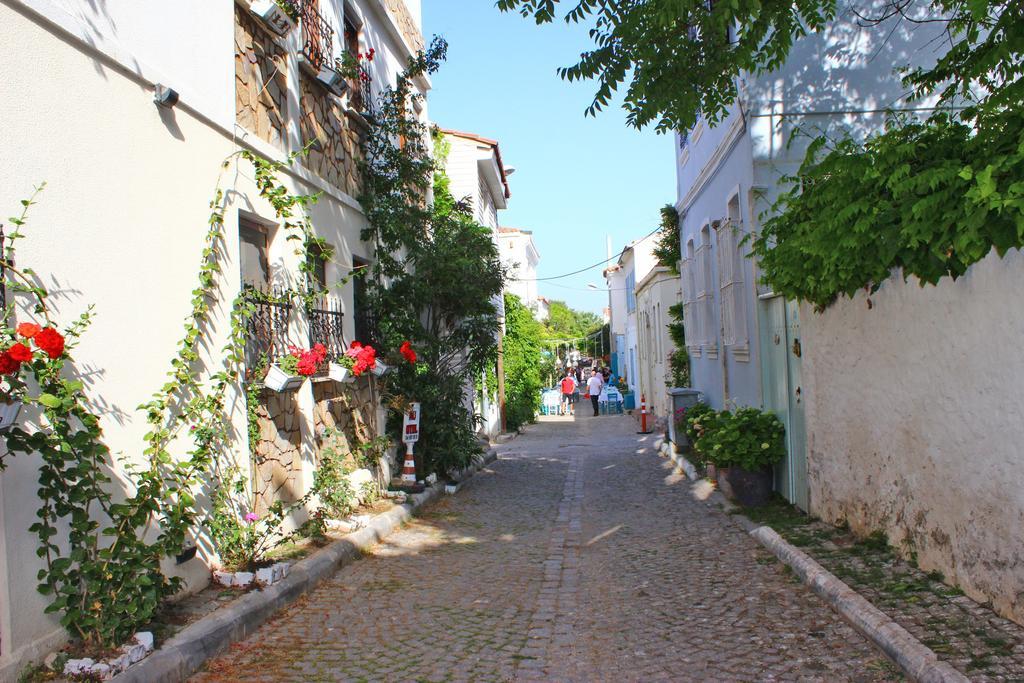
436 278
681 57
668 247
567 323
522 349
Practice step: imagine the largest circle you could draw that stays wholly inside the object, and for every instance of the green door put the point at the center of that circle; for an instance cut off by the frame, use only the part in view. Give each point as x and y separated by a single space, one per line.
782 391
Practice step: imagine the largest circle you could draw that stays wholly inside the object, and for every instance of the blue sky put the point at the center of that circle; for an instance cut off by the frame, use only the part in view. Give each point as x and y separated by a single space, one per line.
577 178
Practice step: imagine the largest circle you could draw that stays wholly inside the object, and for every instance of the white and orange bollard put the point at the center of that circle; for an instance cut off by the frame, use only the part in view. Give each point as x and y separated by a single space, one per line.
643 415
409 466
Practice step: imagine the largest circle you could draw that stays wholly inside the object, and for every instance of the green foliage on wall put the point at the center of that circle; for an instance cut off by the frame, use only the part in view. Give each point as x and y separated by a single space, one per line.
522 355
668 248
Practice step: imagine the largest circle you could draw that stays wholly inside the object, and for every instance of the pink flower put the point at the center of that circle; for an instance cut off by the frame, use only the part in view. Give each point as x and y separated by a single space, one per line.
251 517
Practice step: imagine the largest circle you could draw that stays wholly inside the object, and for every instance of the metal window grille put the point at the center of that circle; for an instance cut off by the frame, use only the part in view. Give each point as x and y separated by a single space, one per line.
326 326
317 35
266 332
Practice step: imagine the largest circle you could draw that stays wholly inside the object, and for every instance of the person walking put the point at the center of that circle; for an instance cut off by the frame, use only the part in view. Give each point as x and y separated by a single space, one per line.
568 388
594 385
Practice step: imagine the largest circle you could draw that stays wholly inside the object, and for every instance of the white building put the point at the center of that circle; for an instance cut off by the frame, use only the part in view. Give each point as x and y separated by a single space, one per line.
878 420
123 219
478 176
520 256
635 261
656 292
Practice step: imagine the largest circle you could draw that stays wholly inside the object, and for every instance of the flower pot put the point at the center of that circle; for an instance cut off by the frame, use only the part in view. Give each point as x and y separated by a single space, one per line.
339 373
332 80
450 488
279 380
273 15
751 489
9 411
380 369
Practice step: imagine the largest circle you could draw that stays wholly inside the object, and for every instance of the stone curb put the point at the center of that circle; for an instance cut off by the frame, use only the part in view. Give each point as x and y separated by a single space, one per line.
184 653
916 660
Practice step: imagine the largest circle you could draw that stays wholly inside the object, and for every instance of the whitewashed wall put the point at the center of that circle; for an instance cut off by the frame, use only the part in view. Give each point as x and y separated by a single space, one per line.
122 221
915 414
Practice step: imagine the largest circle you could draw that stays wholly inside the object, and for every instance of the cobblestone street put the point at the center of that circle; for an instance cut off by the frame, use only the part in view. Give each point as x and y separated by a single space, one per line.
578 555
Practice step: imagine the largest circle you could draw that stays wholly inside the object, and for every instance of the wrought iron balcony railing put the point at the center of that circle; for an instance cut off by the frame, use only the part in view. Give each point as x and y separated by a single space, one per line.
317 36
266 333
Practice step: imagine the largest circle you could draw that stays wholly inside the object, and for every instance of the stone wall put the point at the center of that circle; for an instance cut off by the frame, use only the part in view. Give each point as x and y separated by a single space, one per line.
260 79
346 411
406 24
277 454
915 420
334 154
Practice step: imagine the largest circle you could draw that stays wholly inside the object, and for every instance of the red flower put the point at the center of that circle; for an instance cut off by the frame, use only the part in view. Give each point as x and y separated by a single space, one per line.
319 352
20 352
306 365
8 366
407 352
28 330
50 341
369 55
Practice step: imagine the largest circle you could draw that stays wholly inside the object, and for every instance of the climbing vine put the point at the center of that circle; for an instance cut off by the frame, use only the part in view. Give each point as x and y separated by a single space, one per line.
667 248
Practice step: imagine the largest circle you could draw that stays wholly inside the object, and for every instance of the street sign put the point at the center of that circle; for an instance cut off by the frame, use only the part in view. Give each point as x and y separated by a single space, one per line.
411 424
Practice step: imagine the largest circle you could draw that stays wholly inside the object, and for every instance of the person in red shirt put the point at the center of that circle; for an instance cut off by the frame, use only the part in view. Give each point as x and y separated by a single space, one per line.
568 388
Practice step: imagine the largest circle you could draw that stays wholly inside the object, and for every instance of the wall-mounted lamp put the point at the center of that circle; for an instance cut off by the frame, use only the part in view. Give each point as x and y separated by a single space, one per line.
165 97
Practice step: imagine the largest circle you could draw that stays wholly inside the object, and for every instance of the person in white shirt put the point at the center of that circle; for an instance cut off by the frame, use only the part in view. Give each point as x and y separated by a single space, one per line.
594 385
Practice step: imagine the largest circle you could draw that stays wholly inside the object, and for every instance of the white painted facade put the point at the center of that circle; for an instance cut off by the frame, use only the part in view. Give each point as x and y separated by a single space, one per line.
910 407
635 261
655 293
122 221
520 257
477 176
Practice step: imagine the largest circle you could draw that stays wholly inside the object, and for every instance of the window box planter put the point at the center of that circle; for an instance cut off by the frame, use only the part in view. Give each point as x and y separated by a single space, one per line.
308 66
751 489
279 380
339 373
9 411
332 80
273 15
380 369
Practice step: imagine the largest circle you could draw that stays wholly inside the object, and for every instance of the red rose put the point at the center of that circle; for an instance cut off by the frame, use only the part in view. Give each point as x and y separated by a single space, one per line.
28 330
20 353
8 366
50 341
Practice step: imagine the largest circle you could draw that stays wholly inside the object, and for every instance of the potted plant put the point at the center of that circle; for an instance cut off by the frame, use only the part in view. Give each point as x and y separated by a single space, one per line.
696 420
279 15
289 372
744 446
332 80
357 360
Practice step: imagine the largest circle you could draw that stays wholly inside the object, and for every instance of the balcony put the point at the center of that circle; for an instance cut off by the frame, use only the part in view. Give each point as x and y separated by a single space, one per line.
326 326
266 333
317 38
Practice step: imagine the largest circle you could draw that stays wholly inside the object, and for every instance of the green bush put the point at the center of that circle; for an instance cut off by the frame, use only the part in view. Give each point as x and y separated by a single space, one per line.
522 355
749 438
695 421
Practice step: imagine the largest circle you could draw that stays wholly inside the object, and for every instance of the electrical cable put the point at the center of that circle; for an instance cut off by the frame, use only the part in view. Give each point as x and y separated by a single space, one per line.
581 270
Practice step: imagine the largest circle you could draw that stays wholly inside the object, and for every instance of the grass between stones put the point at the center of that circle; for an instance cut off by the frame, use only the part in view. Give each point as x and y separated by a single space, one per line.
969 636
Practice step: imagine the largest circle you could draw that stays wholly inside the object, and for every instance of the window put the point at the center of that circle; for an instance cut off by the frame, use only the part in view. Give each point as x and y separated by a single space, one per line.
690 319
361 314
705 292
318 256
254 254
730 277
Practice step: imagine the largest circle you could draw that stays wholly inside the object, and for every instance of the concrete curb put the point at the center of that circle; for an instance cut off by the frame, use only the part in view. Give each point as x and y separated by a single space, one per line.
918 662
183 654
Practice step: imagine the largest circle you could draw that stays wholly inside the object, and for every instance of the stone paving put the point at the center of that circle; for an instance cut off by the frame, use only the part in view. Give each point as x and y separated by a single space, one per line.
577 556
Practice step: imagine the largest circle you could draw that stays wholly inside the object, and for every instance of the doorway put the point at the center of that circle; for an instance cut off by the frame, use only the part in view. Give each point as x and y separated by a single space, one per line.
781 354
